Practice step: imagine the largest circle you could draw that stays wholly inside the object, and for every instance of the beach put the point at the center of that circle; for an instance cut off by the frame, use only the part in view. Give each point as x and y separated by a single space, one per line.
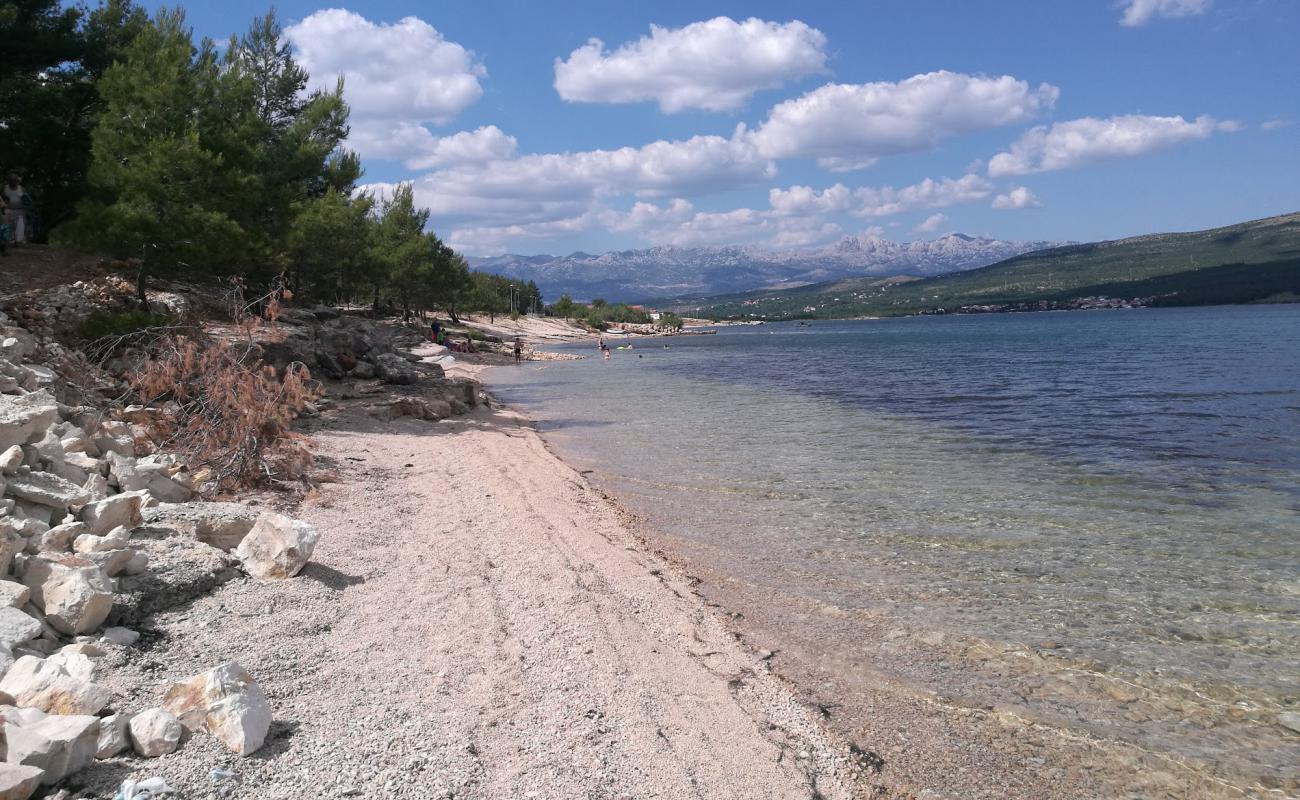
479 622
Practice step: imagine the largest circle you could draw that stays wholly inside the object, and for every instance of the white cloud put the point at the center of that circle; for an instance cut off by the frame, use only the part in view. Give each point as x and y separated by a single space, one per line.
1081 141
716 65
1019 197
488 143
397 77
796 217
1140 12
849 126
1276 124
548 187
931 223
883 201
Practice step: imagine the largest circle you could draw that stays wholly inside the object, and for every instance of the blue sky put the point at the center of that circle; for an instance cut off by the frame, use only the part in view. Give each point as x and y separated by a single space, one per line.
792 124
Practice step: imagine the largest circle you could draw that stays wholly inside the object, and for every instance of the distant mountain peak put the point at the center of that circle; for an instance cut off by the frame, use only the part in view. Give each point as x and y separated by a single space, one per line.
665 271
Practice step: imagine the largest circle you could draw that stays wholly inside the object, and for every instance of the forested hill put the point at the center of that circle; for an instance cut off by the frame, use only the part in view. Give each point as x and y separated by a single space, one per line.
1248 262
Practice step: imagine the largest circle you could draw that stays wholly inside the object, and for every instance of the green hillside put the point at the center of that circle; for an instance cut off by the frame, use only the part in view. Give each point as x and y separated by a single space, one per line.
1250 262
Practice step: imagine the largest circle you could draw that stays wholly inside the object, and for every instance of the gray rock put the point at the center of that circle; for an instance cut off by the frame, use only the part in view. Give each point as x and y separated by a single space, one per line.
17 627
47 490
395 369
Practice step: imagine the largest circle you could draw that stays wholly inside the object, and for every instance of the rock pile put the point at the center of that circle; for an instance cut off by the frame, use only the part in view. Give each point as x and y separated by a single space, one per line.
82 499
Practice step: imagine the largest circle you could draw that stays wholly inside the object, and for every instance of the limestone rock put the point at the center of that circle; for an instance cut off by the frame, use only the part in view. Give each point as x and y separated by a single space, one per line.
277 547
18 781
36 683
112 562
25 417
11 459
154 733
77 664
74 594
14 594
115 539
120 510
47 489
114 437
17 627
227 703
113 736
122 636
13 541
58 539
59 744
222 525
137 564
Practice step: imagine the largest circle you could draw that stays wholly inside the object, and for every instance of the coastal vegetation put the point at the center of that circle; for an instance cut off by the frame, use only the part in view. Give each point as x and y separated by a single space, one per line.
183 158
1257 261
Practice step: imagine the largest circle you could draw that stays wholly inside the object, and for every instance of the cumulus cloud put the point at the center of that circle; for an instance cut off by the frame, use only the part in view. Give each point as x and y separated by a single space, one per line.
795 217
1140 12
548 187
1019 197
1081 141
931 223
397 77
1276 124
883 201
488 143
716 65
849 126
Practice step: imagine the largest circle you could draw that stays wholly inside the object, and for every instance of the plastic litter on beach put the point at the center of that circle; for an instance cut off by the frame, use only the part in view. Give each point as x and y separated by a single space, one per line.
142 790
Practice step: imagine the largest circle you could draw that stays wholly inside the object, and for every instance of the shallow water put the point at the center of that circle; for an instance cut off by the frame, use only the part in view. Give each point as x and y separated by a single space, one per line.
1096 514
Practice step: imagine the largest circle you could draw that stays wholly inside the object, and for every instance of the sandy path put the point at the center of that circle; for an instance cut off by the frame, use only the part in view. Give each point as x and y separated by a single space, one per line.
479 623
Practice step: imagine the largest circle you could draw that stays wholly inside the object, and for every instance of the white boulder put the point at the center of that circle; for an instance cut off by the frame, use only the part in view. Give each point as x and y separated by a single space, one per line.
74 594
113 735
154 733
113 512
25 417
18 781
14 594
47 489
11 459
277 546
37 683
59 744
16 627
225 702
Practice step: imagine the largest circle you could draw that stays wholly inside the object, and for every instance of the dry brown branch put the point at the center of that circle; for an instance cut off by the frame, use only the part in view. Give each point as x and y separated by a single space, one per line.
229 413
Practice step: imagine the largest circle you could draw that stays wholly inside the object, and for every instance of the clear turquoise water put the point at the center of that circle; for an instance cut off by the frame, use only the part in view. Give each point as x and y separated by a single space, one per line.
1122 485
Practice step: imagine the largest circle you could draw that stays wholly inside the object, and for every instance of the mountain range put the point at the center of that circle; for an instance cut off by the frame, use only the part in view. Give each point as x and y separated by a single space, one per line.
1250 262
674 272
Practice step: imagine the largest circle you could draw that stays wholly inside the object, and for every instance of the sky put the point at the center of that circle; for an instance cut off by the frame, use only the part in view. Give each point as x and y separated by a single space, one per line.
529 127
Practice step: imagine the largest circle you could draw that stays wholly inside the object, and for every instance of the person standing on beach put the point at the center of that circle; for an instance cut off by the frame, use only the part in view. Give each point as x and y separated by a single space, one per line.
15 201
519 349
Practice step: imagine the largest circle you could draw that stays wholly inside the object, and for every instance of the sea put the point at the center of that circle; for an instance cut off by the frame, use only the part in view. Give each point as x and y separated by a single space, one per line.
1090 518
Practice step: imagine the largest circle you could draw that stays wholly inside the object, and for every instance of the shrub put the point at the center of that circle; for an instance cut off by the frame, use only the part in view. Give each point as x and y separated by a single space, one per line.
476 335
231 413
125 325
